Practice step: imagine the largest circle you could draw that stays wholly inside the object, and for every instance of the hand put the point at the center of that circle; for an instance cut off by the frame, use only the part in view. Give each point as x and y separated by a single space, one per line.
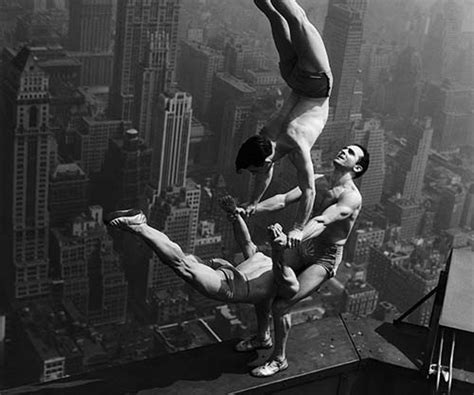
294 238
249 208
278 238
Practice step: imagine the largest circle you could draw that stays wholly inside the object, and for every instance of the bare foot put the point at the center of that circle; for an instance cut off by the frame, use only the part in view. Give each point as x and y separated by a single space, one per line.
129 220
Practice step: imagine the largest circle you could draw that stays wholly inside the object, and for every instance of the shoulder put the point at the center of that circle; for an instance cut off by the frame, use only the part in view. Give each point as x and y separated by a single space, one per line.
351 197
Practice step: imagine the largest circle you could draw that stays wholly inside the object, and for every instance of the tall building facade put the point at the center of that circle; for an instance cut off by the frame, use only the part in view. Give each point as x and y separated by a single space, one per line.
27 156
146 38
84 260
90 39
196 68
69 193
371 135
407 172
343 37
91 140
170 140
231 104
126 171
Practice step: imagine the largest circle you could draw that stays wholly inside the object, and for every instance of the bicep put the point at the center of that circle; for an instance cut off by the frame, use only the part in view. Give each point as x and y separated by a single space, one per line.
342 209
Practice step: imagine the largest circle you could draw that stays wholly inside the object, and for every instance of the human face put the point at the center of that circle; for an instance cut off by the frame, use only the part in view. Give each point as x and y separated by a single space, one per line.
349 157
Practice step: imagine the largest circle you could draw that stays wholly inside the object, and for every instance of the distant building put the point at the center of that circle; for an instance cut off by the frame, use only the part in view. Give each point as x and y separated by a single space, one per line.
371 135
386 312
406 214
406 171
167 306
144 30
451 205
343 38
240 56
401 282
85 261
27 151
208 244
126 171
231 104
90 38
360 242
359 298
449 104
170 140
197 66
68 193
91 141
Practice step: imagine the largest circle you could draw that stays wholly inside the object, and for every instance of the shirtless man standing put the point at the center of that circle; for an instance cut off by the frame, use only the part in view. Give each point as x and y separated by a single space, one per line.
277 283
300 271
304 65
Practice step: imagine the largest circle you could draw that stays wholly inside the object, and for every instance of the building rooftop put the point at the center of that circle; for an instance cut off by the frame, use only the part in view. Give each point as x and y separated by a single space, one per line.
323 355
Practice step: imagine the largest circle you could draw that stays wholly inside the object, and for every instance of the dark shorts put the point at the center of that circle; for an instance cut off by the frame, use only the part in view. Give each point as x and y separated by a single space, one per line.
329 256
236 287
314 85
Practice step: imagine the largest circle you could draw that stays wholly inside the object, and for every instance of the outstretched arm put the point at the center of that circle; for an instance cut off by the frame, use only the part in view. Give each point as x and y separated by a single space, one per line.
242 235
279 202
345 206
305 174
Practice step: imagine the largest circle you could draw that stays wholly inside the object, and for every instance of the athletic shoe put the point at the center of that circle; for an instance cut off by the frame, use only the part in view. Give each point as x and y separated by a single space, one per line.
270 368
253 343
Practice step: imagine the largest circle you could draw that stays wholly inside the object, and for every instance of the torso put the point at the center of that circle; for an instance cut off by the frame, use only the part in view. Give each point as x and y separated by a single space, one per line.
337 232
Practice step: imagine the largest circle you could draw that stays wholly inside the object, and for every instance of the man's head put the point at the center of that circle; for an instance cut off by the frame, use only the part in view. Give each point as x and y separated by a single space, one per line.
254 155
353 157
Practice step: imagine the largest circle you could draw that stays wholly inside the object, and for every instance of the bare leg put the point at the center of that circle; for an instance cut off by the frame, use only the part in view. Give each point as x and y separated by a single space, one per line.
285 277
305 38
280 30
309 280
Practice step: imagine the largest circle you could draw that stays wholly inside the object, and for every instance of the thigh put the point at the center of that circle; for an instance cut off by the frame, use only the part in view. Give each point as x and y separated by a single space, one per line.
310 280
305 38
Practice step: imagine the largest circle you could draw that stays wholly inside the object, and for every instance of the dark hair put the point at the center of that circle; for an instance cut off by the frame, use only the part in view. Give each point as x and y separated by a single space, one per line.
253 152
363 162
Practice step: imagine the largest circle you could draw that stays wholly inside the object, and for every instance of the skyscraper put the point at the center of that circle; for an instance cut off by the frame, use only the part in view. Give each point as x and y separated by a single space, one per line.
371 135
126 171
408 170
27 148
231 104
343 37
90 25
170 141
146 37
196 68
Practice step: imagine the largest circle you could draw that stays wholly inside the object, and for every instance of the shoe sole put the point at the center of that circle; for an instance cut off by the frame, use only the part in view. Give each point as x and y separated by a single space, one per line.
121 213
281 369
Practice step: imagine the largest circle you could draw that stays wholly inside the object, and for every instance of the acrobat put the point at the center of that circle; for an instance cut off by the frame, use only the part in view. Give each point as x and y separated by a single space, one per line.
273 284
304 66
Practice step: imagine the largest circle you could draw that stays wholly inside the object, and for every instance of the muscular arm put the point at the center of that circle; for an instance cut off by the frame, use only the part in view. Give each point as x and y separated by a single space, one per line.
305 174
342 209
242 236
279 202
261 183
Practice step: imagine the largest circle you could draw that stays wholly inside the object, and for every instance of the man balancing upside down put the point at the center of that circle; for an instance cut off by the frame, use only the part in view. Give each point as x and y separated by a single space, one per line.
304 65
272 284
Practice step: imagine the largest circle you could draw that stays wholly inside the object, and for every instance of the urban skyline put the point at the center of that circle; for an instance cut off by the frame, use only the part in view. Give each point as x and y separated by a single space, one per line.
107 105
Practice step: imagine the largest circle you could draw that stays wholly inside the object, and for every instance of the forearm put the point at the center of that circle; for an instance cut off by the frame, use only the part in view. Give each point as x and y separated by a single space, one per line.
274 203
242 237
304 209
261 183
313 228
